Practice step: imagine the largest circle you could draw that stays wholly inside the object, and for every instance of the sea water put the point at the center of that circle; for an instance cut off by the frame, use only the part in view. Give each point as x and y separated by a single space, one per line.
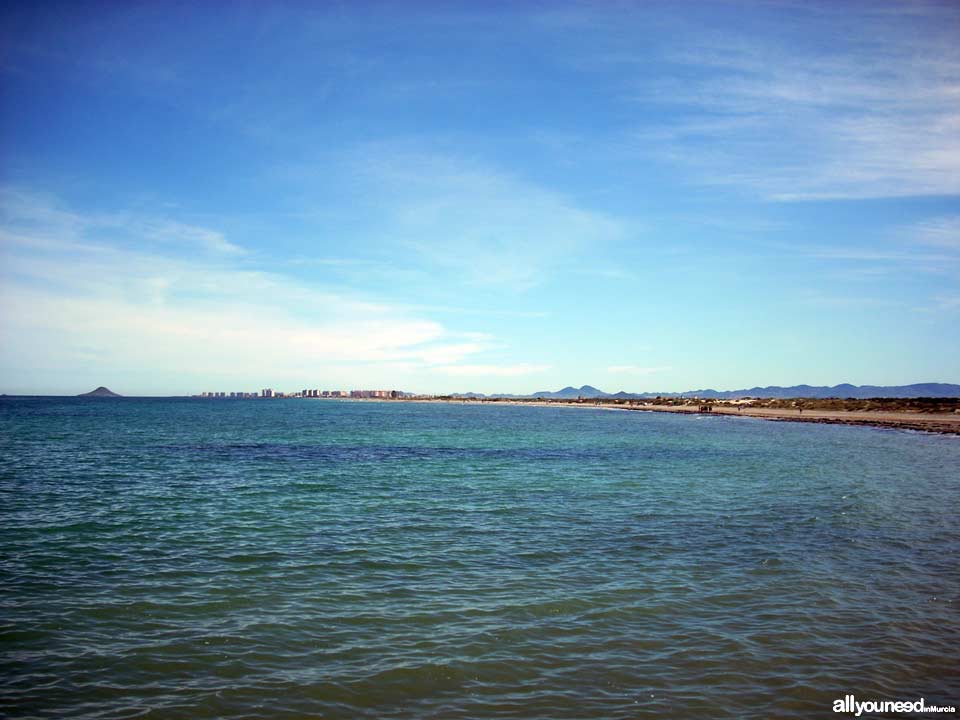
181 558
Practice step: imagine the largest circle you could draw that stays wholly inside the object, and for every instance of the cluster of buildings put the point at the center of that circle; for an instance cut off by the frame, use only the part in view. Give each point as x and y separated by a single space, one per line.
306 393
228 395
383 394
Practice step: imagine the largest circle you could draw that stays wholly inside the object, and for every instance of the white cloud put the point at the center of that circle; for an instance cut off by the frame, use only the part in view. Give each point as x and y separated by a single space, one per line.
149 323
444 354
870 111
73 299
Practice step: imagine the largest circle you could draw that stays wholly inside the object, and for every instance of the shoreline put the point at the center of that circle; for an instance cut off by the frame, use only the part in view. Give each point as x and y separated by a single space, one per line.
938 423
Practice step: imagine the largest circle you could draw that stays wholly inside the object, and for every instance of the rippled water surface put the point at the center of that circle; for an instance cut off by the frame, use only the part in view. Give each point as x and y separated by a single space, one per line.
290 559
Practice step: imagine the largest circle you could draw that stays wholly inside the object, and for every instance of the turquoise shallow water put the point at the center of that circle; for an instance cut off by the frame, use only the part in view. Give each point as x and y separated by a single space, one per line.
289 559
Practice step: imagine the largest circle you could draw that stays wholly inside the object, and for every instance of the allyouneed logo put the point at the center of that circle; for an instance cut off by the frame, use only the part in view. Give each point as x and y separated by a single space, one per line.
849 704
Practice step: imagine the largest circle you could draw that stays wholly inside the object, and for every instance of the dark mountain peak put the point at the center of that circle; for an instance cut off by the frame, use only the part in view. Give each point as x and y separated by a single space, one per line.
100 392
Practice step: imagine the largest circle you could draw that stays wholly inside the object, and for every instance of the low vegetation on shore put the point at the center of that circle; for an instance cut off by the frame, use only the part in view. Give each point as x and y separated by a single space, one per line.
917 405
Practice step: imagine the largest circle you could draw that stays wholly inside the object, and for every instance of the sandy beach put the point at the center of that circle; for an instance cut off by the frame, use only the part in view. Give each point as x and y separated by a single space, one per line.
946 423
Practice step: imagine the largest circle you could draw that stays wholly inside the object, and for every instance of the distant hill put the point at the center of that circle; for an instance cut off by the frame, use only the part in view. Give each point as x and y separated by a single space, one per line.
844 390
572 393
100 392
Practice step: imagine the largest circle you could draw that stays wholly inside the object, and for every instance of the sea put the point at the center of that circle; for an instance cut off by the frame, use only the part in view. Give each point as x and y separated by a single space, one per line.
188 558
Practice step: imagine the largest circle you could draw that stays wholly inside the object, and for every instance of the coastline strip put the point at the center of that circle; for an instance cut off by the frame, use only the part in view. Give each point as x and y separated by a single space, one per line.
941 423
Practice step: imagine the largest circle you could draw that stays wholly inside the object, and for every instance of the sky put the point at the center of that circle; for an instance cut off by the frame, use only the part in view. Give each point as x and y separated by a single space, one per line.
491 197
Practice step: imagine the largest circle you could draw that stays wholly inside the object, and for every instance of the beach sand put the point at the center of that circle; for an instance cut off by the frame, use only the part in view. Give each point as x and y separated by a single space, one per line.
946 423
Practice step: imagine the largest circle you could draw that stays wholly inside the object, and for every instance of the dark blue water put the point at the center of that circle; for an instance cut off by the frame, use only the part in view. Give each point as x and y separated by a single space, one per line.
292 559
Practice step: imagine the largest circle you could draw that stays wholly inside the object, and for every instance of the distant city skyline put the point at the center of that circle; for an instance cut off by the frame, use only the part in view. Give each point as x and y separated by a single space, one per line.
305 393
497 198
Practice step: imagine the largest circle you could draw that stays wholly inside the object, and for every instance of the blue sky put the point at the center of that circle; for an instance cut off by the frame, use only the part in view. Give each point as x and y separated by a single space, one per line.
478 196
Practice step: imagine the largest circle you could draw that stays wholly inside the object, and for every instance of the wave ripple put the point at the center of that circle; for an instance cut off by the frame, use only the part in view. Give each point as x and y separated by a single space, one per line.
189 559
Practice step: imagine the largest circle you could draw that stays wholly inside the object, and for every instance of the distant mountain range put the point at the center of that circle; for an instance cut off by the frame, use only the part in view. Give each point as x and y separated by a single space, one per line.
844 390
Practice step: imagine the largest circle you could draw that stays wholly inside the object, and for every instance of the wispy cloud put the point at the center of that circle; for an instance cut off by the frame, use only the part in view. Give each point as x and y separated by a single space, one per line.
895 254
903 261
73 299
761 108
39 216
940 232
948 303
491 228
931 245
175 232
